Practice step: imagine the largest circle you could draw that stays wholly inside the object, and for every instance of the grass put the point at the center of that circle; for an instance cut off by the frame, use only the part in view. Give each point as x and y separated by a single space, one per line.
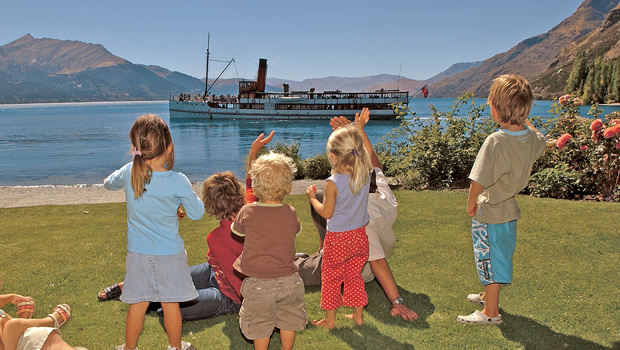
565 293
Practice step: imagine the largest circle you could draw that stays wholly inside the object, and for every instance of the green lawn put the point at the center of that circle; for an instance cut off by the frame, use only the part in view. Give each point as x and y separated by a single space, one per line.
565 293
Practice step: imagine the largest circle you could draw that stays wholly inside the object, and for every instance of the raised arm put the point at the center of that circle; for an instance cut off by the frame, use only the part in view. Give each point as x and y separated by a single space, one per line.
257 145
360 121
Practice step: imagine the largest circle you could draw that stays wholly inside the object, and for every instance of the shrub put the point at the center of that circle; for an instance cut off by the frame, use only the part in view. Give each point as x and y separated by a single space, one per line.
557 182
437 152
317 167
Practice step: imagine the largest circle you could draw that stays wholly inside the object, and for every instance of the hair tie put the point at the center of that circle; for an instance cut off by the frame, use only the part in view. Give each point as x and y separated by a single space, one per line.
135 153
354 151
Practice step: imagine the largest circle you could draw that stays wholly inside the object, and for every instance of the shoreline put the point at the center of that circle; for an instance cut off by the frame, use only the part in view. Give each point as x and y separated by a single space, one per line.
29 196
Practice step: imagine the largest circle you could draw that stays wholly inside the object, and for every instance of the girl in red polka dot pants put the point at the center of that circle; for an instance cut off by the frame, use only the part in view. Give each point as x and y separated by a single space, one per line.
345 203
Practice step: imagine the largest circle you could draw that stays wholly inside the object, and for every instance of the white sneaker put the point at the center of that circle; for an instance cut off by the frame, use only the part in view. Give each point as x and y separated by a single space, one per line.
184 346
122 347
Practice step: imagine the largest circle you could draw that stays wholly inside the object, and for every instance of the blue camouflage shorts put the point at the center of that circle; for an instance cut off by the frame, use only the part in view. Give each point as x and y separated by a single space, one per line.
494 245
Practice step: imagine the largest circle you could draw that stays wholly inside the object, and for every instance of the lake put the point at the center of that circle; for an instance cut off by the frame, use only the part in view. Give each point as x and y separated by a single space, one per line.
82 143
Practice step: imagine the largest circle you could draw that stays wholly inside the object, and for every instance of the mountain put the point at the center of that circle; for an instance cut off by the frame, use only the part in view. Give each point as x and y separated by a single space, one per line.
453 70
50 70
530 57
604 41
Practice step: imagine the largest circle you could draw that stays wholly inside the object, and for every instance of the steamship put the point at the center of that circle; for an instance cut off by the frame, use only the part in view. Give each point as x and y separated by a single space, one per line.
253 102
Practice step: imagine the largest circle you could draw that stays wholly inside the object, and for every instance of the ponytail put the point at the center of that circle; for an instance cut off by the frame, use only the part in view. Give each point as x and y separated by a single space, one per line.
150 138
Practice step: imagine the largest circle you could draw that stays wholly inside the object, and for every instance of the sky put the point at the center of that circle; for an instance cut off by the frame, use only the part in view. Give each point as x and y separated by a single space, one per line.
300 39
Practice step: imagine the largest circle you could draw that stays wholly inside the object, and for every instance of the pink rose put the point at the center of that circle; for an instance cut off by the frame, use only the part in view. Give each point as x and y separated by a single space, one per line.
583 147
564 99
596 125
561 142
617 145
612 131
577 101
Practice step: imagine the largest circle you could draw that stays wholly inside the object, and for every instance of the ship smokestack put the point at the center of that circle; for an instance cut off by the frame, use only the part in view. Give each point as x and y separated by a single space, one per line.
262 75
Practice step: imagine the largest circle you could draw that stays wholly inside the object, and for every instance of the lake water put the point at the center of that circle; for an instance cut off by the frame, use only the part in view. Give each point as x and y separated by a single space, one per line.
82 143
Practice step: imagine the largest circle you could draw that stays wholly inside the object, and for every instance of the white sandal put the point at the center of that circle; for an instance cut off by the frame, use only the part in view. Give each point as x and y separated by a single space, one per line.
479 318
476 298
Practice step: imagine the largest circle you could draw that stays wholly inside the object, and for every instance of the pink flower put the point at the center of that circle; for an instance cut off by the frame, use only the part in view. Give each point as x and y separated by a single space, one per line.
612 131
583 147
596 125
617 145
564 99
561 142
577 101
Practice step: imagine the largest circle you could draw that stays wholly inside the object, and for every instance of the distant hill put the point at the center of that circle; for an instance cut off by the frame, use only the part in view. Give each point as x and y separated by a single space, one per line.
530 57
50 70
603 41
453 70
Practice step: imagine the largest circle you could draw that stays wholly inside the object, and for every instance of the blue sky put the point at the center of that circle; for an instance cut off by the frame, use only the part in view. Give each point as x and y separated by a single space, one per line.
300 39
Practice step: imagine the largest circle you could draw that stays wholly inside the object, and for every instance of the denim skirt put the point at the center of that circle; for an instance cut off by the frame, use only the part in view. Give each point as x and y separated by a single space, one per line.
157 278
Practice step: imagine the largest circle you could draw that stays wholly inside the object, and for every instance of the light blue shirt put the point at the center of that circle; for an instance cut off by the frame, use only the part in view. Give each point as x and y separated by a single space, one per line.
152 223
351 211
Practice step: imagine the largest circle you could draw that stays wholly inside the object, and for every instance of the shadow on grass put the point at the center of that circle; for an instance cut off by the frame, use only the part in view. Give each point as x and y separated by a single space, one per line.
533 335
368 336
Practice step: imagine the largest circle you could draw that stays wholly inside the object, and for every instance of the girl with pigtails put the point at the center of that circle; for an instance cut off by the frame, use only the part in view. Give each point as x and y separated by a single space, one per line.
156 265
345 202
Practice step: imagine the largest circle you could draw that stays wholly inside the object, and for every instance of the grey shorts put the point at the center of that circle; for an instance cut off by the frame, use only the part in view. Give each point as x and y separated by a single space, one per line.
272 302
157 278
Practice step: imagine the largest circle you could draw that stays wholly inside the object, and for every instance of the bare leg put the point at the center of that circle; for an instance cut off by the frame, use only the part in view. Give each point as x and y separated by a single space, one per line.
13 329
357 315
173 323
134 324
491 298
287 338
261 344
55 342
328 322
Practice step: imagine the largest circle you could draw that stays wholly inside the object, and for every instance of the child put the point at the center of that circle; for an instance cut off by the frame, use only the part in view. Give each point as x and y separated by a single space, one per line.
345 204
156 264
501 170
273 293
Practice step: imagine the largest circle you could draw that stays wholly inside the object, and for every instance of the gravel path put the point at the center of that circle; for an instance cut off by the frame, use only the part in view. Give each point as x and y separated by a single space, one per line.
28 196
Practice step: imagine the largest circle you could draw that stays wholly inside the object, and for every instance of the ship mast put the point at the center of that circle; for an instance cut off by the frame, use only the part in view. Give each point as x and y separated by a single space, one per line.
207 71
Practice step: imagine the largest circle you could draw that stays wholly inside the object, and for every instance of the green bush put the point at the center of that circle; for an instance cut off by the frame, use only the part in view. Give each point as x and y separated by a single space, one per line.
317 167
437 152
557 182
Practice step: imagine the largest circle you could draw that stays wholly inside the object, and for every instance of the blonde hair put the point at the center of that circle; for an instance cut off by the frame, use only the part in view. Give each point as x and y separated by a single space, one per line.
511 96
350 156
150 138
222 195
272 176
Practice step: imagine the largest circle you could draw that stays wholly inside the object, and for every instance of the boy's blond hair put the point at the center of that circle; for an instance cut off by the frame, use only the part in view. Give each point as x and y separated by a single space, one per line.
511 96
272 176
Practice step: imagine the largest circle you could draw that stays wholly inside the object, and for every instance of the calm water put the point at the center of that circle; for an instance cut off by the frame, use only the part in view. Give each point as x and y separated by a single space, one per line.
81 143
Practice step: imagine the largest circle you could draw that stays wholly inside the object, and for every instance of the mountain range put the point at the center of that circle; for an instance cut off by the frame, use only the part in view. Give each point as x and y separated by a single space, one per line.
51 70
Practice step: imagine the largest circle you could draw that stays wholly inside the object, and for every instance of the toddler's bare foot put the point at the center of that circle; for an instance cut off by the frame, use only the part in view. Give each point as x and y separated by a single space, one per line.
323 323
358 320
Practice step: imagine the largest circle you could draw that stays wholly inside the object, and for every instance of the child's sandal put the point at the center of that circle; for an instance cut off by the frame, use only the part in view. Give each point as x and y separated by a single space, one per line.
64 311
25 309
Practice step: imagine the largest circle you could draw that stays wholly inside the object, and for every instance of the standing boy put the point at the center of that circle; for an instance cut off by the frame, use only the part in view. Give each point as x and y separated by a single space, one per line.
501 170
273 293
